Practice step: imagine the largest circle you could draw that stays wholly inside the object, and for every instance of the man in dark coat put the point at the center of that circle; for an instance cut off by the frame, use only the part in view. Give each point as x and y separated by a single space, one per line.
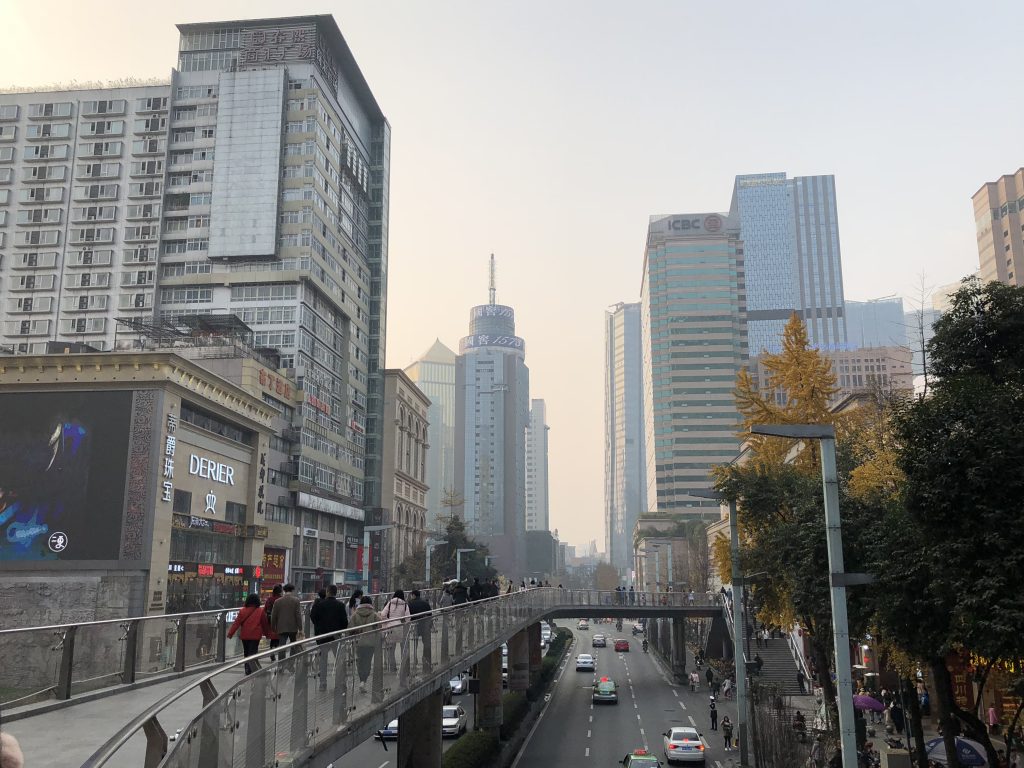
475 591
419 610
327 615
460 594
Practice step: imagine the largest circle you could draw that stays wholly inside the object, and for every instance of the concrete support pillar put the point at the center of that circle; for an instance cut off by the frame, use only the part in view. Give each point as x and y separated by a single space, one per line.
679 648
536 652
419 734
488 701
519 661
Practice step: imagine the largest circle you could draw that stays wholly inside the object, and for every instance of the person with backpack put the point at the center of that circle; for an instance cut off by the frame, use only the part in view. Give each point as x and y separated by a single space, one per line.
713 712
394 615
252 625
419 610
366 645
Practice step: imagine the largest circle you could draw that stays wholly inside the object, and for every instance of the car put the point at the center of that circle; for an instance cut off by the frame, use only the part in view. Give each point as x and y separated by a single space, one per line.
684 745
585 663
621 644
458 684
583 624
388 733
599 641
453 720
605 692
638 629
640 758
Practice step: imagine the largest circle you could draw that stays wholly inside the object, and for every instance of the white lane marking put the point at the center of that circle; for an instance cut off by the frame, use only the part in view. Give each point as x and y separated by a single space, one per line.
383 764
718 763
691 721
638 717
587 753
682 705
591 718
674 693
642 732
634 705
588 733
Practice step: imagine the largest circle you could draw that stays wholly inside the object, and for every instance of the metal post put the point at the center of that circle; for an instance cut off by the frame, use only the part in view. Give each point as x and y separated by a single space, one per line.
222 636
657 569
131 646
366 559
738 626
179 646
67 663
840 625
670 580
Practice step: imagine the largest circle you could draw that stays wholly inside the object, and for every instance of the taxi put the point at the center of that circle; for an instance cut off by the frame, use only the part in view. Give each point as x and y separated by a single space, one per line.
640 758
605 692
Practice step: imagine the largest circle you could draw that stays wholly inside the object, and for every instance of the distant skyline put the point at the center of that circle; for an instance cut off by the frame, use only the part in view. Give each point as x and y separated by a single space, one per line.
548 133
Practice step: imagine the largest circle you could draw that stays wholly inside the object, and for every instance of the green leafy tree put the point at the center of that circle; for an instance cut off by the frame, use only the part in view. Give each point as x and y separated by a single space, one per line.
443 559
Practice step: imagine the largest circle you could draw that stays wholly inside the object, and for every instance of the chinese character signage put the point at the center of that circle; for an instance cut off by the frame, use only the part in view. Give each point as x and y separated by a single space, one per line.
299 43
486 340
273 567
170 444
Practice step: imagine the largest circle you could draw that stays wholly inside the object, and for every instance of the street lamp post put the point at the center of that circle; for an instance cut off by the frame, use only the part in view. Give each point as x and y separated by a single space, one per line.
367 530
431 543
825 434
458 562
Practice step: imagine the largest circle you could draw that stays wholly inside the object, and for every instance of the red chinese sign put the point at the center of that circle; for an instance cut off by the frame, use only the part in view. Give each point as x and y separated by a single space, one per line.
273 567
275 385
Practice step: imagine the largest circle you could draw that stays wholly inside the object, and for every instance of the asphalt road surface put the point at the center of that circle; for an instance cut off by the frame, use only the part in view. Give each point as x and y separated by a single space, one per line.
573 731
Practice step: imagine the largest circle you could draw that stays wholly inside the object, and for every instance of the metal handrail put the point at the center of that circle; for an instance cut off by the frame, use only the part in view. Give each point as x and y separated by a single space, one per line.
526 606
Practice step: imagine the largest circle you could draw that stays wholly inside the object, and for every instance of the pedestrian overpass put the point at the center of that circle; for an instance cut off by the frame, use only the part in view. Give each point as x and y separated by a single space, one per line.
313 705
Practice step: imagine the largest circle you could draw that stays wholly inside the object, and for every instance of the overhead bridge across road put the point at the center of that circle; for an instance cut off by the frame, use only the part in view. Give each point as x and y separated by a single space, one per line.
321 700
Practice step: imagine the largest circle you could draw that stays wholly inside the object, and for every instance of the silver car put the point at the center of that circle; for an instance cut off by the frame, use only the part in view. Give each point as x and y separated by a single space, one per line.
453 720
585 663
684 745
458 684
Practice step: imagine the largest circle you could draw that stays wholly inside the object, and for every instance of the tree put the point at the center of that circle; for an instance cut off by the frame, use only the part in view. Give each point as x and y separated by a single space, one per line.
606 576
950 567
698 559
443 563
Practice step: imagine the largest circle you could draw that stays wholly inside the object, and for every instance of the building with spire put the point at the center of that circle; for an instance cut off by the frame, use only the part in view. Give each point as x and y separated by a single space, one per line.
492 411
434 374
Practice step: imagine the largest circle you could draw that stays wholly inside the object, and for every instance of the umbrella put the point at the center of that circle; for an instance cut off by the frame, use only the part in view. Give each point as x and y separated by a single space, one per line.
868 702
970 753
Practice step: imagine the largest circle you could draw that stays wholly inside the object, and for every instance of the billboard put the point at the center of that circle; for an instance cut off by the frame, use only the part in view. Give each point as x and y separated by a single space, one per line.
63 463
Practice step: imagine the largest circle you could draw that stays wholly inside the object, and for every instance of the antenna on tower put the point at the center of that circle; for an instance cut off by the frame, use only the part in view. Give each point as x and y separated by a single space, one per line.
493 289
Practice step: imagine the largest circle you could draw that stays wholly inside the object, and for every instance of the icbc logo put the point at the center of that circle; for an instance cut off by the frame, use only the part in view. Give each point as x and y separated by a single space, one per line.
712 223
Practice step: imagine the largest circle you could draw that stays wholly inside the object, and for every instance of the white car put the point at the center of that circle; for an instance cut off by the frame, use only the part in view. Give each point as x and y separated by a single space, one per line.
684 745
458 684
585 663
453 720
584 624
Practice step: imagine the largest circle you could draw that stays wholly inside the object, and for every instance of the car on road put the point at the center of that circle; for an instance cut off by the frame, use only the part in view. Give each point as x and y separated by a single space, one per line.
453 721
684 745
638 628
585 663
621 644
640 758
583 624
605 692
458 684
599 641
388 733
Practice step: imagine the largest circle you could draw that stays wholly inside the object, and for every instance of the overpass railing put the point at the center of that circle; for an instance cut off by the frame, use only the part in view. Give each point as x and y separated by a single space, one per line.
59 662
283 711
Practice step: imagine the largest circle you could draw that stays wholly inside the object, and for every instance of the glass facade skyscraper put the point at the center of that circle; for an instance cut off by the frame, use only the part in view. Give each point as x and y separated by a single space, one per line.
625 490
790 234
694 340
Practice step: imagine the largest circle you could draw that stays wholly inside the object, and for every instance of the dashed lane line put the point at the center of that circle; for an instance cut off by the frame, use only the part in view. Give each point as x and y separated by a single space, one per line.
682 705
588 733
587 753
694 724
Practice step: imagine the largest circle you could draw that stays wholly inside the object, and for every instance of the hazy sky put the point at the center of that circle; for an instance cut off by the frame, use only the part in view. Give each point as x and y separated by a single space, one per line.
547 131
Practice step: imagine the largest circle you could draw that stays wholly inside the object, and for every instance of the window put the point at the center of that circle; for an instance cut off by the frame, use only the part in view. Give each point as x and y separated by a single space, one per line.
309 551
234 512
182 502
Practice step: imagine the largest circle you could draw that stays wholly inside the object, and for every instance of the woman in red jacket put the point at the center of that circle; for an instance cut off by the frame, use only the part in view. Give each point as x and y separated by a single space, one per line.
251 624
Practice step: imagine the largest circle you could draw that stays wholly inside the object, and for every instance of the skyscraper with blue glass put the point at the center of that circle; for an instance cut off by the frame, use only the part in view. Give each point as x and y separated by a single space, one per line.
790 234
694 343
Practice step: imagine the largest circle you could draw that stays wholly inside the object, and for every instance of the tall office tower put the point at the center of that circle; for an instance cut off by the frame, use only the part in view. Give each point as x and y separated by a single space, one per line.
275 210
538 508
790 234
81 176
434 374
694 336
492 410
625 487
999 220
876 323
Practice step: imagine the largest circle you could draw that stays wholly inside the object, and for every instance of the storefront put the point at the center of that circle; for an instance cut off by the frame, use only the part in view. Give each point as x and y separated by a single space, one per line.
196 586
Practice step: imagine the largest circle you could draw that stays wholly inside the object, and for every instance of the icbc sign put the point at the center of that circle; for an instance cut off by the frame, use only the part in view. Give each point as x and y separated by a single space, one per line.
710 223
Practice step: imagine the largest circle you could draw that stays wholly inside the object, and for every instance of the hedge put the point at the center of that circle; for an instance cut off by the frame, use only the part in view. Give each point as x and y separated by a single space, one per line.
514 707
472 750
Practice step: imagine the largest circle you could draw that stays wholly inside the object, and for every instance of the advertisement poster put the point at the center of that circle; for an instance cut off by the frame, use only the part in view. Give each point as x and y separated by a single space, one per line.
63 461
273 568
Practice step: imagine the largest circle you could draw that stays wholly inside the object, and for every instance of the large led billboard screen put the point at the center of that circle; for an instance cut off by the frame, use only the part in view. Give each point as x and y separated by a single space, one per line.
63 462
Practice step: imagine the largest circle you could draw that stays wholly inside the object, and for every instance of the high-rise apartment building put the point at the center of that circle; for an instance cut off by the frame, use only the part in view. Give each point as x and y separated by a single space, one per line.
790 234
538 510
434 374
492 407
625 487
999 219
81 186
254 184
876 323
694 338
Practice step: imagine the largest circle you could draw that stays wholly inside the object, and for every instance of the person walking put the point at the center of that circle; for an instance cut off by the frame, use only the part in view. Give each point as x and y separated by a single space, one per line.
713 712
419 611
710 677
801 680
758 662
475 591
694 681
692 597
727 732
460 594
366 645
286 617
353 601
252 625
446 596
327 616
321 595
394 615
268 607
727 688
993 720
632 595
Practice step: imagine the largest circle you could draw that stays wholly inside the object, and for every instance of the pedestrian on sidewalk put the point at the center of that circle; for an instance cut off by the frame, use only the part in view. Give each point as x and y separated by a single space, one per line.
419 610
252 625
818 752
268 608
727 732
367 644
694 681
993 720
758 662
759 637
713 711
396 612
286 617
801 680
692 597
727 688
710 677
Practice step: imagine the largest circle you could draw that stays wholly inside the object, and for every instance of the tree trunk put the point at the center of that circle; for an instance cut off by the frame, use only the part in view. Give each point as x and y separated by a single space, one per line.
823 663
1013 729
913 708
944 704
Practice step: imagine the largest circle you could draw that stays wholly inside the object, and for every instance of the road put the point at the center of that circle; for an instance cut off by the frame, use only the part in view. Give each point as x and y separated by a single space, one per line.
574 731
